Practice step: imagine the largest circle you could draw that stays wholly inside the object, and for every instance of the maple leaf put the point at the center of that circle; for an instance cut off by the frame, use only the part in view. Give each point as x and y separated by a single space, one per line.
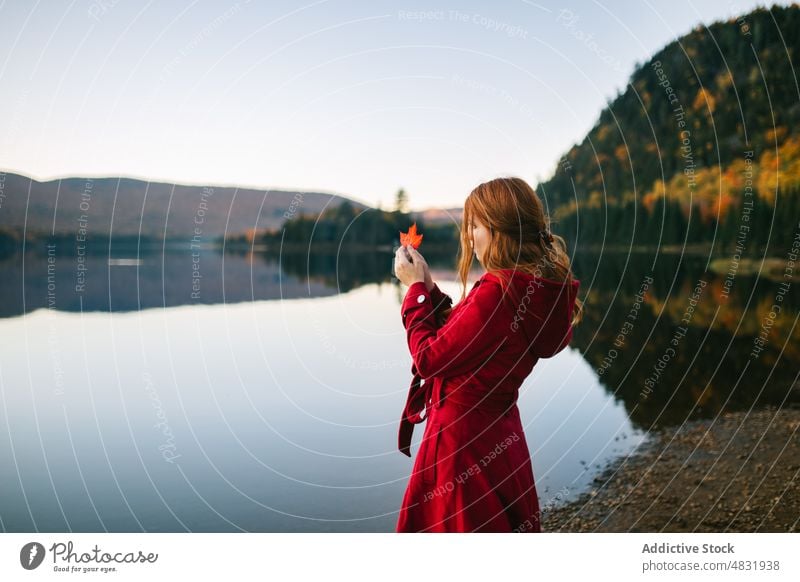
411 237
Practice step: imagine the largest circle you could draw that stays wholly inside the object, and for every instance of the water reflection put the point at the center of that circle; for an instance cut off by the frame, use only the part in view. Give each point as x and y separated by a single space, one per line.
684 354
236 410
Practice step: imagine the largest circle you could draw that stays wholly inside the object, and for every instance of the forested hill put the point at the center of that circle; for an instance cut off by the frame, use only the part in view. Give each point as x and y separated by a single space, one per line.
711 124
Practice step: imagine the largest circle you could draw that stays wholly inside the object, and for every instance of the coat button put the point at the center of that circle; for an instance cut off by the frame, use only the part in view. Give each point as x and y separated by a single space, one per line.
420 299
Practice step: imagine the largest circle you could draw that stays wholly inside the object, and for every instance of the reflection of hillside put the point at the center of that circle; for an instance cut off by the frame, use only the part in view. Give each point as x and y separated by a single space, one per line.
167 279
343 272
159 280
711 368
349 270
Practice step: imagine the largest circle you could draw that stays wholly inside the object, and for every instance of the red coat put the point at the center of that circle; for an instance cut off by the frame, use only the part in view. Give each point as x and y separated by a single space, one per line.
473 469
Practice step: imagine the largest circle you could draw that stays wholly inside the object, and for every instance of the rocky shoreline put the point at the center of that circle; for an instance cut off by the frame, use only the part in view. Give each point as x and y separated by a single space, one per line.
737 473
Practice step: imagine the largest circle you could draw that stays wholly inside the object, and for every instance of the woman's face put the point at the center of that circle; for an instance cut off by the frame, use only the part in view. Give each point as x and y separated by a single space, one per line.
479 235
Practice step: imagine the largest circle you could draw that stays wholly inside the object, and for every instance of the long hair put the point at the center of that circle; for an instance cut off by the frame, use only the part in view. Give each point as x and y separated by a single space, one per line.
520 237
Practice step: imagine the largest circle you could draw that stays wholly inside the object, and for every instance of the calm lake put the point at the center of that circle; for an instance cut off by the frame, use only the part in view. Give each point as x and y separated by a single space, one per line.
166 391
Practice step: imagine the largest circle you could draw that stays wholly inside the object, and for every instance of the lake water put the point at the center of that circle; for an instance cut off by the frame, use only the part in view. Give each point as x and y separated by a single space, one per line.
239 392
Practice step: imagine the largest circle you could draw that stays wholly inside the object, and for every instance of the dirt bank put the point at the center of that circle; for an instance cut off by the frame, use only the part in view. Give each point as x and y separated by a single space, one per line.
740 473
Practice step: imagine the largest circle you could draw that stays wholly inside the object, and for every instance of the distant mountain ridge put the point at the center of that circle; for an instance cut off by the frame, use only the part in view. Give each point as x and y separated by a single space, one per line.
160 209
156 209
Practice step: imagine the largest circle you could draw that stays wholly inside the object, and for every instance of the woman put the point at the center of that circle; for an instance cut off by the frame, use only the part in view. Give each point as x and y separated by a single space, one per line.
473 468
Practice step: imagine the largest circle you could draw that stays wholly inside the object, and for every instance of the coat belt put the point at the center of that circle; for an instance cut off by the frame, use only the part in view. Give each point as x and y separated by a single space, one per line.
420 398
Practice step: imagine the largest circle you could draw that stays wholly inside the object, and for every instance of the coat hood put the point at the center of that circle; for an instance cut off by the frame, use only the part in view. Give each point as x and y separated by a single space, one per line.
542 309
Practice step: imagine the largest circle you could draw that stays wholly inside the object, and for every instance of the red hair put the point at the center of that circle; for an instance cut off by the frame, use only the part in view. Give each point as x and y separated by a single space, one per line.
520 237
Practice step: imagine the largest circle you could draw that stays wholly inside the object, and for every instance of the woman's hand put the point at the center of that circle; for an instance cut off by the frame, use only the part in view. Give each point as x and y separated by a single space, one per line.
413 270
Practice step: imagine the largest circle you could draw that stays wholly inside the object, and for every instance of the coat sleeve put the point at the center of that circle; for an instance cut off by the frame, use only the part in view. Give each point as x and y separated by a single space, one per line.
441 302
465 341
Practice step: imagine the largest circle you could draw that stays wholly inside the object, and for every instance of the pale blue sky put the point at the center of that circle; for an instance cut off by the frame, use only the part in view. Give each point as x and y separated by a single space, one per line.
358 98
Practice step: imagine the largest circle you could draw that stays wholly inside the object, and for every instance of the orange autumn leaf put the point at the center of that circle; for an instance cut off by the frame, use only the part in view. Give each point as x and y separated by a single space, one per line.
411 237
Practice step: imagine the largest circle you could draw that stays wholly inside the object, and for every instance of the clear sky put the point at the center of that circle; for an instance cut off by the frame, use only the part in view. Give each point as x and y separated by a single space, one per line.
359 98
